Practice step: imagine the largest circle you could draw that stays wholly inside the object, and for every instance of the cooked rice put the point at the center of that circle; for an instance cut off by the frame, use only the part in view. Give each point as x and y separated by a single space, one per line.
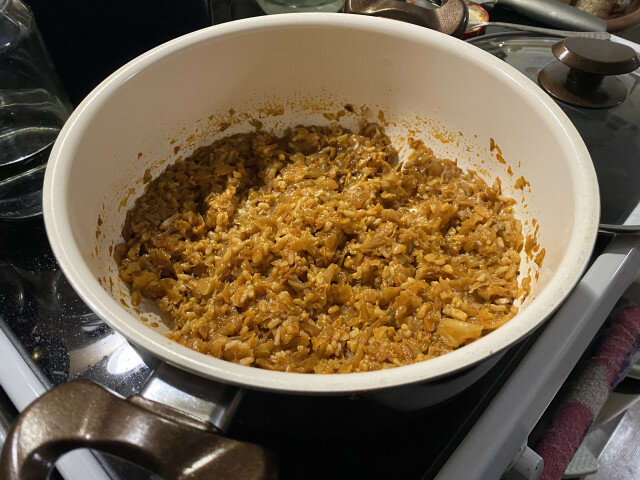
319 252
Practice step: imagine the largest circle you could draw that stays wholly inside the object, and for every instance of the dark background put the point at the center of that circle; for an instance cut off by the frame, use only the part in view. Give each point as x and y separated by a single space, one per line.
89 39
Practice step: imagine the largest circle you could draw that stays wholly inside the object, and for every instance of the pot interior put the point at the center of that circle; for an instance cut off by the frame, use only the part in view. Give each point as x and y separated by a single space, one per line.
415 82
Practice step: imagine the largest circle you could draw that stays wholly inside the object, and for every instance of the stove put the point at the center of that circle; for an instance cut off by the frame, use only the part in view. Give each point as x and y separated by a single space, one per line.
48 336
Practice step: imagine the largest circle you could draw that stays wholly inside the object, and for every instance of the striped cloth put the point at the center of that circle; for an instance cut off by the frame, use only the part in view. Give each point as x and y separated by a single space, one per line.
618 347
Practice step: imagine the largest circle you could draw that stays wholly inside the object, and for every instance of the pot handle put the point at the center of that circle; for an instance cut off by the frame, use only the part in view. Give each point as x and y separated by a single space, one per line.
450 17
81 414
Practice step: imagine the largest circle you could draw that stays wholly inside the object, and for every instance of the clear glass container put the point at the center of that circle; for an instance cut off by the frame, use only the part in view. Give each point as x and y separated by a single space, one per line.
292 6
33 108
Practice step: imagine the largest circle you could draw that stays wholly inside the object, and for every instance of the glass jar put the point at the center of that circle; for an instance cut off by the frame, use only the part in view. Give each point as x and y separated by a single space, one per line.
292 6
33 108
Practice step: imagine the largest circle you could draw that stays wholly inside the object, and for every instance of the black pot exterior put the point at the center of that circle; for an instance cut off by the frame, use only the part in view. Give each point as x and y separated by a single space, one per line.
329 415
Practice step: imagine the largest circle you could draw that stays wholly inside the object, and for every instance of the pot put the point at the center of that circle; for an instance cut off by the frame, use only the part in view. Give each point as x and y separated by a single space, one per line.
286 70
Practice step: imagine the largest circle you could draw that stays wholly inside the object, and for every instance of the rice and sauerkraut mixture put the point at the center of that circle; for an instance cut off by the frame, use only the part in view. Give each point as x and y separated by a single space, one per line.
319 252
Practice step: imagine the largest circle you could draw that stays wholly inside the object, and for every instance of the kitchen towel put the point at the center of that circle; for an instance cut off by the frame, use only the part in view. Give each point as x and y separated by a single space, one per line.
616 349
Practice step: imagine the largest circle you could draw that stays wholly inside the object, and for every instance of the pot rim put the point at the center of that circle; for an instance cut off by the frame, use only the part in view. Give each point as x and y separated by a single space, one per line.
540 308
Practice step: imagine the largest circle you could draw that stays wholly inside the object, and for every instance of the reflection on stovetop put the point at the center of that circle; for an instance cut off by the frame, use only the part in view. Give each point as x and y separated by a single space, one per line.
63 340
59 333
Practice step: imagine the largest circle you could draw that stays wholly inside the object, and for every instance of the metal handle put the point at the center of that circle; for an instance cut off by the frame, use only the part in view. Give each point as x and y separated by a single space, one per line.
450 17
611 229
556 14
83 415
543 31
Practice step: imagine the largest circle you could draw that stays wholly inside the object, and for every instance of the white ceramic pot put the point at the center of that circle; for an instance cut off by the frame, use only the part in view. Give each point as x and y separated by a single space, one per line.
290 69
